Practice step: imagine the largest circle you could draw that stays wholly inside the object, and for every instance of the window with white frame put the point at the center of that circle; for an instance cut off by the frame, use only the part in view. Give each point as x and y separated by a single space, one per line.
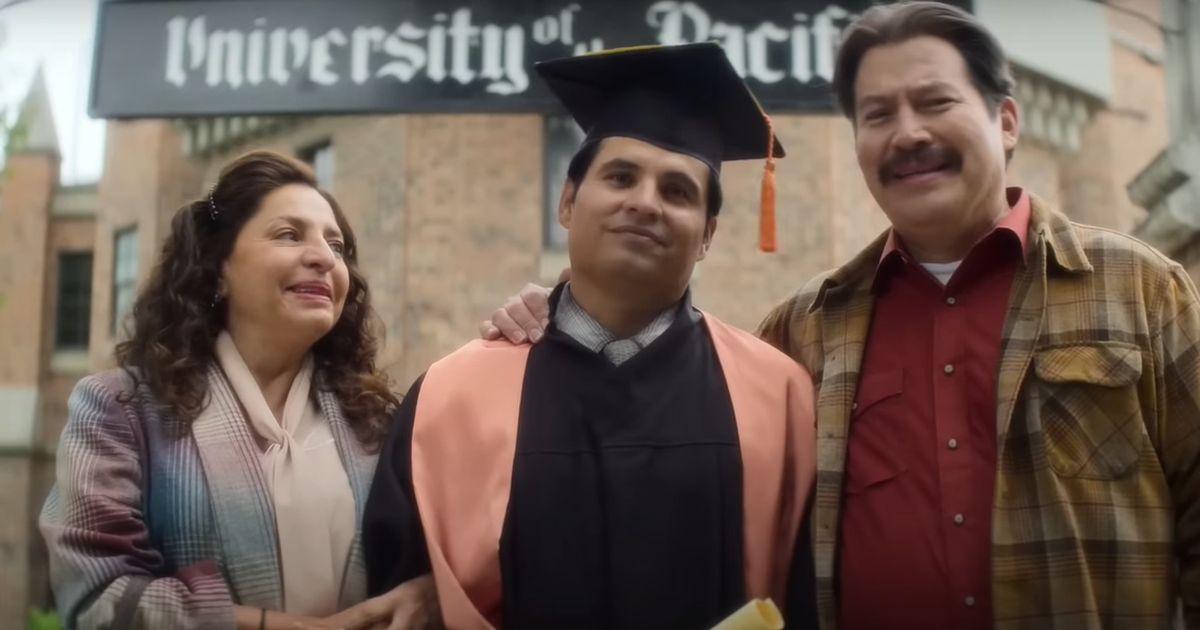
124 275
320 158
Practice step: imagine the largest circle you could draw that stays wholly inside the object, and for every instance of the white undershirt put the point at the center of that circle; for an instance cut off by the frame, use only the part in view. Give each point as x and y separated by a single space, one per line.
942 271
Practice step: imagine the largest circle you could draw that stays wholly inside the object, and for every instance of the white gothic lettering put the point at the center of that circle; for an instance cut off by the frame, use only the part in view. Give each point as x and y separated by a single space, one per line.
452 47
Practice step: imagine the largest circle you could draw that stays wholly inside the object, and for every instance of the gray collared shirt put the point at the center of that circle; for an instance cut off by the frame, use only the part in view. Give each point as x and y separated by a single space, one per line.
575 322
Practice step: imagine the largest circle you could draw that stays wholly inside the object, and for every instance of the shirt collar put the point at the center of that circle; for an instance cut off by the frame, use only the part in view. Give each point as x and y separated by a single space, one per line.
576 323
1014 222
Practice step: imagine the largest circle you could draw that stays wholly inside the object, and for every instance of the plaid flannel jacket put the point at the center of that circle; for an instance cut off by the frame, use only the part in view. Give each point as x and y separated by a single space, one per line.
1096 521
154 523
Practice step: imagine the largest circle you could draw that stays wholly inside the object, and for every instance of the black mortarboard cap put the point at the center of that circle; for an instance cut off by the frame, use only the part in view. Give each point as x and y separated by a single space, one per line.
687 99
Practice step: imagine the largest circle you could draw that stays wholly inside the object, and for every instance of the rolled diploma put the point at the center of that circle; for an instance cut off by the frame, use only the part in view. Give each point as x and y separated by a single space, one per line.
757 614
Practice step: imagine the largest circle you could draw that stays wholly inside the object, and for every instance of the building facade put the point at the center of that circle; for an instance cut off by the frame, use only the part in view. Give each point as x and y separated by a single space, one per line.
47 243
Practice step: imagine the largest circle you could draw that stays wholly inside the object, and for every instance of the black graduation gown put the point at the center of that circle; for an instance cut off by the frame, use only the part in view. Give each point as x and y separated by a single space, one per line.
626 504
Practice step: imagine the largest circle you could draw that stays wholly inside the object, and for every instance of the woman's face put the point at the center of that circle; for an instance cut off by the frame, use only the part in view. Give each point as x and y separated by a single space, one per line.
286 279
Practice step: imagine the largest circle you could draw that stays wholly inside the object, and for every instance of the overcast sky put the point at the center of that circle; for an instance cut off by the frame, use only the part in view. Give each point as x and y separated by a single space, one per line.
58 35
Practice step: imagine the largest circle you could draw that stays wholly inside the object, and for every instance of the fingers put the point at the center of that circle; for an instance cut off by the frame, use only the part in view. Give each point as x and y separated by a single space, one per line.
406 614
487 331
522 315
412 618
537 301
416 607
363 615
509 329
516 321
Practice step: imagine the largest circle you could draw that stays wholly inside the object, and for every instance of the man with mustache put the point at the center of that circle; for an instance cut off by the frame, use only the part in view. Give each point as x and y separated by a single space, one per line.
1009 402
646 466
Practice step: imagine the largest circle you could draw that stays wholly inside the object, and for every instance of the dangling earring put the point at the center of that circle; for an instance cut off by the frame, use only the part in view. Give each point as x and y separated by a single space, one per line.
216 299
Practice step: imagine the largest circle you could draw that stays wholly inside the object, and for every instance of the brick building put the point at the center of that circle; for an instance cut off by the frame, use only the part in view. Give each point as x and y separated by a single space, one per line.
47 239
454 212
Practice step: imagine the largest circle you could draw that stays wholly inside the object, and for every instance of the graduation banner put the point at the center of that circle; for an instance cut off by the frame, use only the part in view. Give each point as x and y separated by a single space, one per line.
172 58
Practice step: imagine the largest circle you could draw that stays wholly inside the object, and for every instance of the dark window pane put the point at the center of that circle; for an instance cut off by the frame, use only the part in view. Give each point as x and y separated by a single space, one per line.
73 317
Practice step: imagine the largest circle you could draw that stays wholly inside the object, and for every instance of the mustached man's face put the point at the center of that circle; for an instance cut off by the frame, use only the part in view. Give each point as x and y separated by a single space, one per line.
930 148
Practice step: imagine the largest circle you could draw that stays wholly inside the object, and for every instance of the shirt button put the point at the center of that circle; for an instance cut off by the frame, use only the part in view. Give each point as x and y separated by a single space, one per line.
969 601
952 444
949 369
959 519
951 301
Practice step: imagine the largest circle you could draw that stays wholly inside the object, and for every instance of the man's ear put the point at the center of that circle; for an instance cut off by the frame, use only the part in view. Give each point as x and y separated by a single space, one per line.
710 230
566 204
1010 124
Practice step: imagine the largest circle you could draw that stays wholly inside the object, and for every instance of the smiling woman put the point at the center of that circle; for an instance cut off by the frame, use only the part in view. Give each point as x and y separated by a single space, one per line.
285 283
229 264
239 432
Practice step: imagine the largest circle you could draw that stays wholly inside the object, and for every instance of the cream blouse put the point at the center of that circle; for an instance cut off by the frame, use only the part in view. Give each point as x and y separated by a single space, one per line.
314 506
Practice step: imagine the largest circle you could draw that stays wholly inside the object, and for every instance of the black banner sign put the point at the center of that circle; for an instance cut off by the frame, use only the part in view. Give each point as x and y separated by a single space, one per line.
271 57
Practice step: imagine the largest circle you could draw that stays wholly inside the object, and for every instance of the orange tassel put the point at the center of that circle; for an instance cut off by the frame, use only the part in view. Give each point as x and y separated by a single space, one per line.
766 217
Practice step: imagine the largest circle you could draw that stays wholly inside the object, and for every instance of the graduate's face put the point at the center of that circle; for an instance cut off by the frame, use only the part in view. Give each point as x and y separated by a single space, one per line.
286 278
640 213
932 150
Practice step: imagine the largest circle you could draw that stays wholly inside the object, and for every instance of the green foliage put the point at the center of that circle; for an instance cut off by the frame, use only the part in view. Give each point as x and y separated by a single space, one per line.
43 620
12 135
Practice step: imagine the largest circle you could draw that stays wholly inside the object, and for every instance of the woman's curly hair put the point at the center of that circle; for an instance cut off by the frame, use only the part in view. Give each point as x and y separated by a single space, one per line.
176 318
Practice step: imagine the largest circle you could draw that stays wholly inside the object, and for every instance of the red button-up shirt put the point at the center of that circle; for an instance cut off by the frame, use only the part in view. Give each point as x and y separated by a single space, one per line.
921 466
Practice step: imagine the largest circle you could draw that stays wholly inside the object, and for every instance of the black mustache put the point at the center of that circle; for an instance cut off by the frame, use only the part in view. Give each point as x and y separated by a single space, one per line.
923 154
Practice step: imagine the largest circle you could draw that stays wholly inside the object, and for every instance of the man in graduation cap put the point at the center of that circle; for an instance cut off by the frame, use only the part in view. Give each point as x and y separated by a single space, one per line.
646 465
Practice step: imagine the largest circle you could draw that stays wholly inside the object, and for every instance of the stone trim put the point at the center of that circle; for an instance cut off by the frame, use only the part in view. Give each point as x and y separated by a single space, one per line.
1052 113
20 405
1171 196
205 136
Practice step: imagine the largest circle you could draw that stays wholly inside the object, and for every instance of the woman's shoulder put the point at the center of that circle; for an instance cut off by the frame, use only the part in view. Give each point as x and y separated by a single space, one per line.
111 394
112 384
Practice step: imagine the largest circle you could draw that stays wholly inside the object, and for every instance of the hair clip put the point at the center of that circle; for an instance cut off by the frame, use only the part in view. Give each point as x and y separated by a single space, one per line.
212 204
